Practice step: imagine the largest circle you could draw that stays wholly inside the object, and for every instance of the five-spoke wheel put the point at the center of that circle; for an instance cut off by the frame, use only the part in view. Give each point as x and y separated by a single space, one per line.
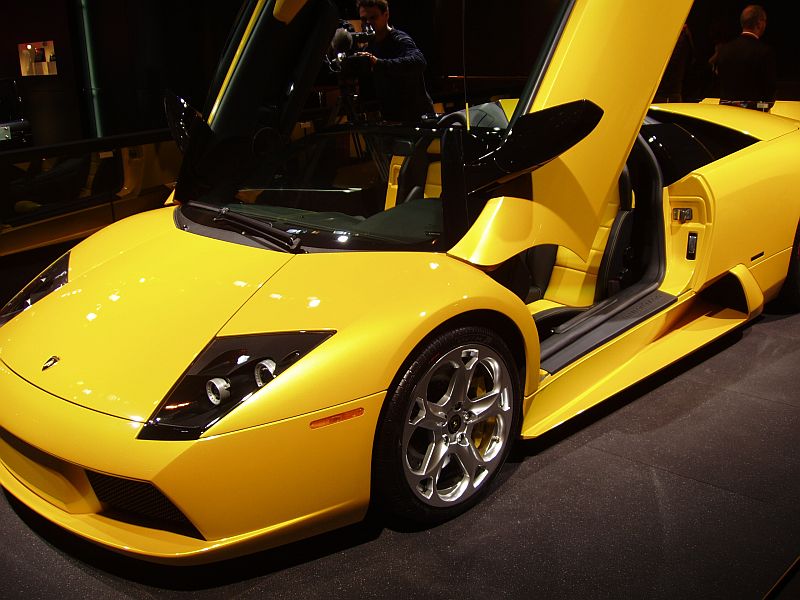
448 426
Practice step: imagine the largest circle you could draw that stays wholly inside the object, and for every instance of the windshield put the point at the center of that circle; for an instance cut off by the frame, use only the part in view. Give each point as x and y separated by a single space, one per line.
309 134
347 187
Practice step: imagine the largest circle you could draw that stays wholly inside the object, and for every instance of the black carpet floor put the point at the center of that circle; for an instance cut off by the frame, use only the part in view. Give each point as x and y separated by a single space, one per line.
686 486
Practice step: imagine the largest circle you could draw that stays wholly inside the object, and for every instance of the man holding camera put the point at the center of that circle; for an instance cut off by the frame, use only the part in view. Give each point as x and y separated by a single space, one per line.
397 66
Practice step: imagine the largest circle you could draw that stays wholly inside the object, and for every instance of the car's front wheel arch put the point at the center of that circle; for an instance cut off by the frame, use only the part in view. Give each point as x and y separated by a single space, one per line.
501 324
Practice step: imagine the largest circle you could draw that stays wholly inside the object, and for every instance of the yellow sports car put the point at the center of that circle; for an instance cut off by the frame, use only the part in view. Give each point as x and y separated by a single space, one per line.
344 310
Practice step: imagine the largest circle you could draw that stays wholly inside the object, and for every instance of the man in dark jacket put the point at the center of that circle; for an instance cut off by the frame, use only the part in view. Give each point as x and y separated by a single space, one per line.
397 66
746 65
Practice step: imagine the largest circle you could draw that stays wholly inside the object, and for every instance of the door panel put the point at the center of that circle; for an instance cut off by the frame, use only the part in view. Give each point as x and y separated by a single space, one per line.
688 217
612 53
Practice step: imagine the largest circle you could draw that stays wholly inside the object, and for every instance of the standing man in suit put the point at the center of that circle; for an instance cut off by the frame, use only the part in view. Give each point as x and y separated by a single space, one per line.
397 66
746 65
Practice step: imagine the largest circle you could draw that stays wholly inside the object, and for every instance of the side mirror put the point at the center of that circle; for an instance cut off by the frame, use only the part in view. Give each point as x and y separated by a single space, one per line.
192 135
183 120
534 140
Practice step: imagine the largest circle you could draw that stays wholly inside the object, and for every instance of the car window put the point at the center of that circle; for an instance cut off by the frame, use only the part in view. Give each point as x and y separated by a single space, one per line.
678 152
682 144
347 188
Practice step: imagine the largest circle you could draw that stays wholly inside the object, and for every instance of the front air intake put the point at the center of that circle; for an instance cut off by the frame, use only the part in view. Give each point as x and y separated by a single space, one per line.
139 503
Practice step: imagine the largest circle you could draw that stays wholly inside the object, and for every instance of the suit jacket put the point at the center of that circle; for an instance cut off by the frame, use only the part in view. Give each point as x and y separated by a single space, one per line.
746 70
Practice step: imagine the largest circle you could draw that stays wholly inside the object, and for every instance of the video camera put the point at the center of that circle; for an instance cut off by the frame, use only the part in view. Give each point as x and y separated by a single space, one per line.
346 42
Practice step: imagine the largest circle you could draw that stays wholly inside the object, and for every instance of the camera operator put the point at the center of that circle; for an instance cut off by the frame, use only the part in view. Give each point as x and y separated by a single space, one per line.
397 66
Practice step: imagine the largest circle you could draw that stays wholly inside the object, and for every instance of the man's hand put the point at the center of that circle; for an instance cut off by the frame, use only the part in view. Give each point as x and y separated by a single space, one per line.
372 58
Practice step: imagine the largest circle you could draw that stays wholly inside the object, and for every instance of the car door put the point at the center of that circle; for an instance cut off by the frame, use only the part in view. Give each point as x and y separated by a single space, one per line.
612 54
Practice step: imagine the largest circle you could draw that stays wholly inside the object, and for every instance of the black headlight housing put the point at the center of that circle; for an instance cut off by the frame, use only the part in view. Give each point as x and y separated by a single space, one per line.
52 278
226 373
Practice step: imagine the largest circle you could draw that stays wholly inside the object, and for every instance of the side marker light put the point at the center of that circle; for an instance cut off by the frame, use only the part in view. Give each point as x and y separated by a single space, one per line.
338 418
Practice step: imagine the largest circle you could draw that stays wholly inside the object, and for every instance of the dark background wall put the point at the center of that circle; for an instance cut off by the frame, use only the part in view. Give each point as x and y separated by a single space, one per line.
140 49
493 31
144 47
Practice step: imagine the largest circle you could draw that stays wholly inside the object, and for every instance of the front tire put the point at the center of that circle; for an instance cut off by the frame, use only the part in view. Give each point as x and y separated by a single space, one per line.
447 427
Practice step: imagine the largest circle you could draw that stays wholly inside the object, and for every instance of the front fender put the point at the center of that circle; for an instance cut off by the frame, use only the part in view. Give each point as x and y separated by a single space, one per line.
381 305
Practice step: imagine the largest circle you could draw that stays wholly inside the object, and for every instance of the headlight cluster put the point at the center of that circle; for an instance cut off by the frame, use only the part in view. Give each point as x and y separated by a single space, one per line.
225 374
52 278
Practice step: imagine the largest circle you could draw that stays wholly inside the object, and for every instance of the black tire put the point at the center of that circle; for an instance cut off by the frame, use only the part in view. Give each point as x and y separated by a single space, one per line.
789 296
447 426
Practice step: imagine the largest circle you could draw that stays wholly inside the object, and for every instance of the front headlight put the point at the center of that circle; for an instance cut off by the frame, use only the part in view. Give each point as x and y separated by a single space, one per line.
225 374
52 278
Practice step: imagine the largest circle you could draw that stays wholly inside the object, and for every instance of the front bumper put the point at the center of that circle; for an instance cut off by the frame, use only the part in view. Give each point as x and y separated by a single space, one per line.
239 492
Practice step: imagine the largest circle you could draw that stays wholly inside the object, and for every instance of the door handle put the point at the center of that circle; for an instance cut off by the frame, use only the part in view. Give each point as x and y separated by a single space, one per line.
682 215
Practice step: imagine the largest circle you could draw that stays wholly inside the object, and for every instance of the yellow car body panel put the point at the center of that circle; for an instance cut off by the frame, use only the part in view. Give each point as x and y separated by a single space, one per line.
96 318
768 204
286 10
308 295
505 227
596 60
760 125
684 274
789 109
332 491
637 353
730 221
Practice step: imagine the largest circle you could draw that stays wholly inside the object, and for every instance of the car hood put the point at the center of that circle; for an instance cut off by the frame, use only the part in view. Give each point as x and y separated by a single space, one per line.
126 327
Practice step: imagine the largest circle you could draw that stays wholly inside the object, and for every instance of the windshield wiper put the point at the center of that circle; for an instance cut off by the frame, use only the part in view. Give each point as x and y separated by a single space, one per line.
264 229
